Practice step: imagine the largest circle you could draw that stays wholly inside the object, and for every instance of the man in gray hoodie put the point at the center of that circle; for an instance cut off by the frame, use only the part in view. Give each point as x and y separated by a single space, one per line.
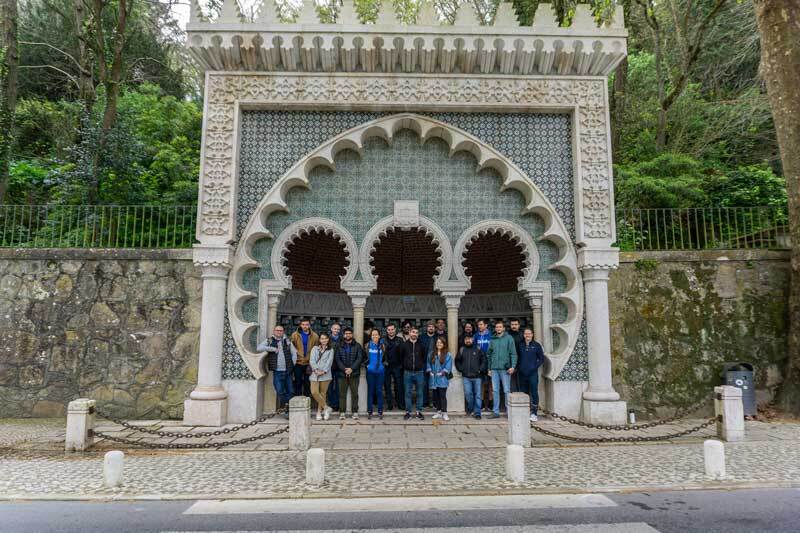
502 356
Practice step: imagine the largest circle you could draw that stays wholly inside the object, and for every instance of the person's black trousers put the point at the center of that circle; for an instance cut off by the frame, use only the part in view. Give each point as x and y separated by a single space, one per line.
394 376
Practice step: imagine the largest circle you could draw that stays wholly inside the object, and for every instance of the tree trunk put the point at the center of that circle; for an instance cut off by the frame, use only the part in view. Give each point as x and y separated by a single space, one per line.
779 28
9 60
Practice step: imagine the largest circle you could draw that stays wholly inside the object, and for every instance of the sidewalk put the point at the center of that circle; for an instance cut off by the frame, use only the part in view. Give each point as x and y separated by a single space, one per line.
387 458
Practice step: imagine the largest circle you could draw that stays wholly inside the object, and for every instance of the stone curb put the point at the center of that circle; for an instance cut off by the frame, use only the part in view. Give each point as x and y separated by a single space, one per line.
623 489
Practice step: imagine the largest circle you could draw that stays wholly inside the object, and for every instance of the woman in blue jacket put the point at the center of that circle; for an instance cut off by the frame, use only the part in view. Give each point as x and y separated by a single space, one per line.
531 357
440 368
376 364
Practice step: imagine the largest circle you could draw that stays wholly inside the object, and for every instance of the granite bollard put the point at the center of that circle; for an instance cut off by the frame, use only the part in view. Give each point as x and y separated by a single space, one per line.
714 458
515 463
315 466
112 468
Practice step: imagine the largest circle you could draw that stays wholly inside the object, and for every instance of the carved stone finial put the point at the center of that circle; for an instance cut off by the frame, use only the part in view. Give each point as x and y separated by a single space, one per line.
230 12
386 14
545 17
583 19
466 15
617 21
267 12
427 15
506 16
308 13
347 13
195 13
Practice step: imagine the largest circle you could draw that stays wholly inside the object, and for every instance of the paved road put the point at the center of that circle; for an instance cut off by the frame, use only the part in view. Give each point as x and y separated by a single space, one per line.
707 511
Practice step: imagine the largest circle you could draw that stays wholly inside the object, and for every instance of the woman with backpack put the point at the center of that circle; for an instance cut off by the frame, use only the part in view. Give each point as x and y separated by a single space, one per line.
440 370
376 366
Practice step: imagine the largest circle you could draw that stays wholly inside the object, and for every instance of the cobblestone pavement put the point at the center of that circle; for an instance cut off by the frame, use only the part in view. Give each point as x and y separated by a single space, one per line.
389 458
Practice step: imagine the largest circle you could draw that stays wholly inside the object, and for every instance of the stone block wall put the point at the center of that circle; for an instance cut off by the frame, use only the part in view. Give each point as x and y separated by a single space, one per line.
119 326
122 326
677 316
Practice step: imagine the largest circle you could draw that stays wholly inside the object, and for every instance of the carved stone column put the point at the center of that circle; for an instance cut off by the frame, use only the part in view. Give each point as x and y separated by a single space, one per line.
601 403
207 403
268 319
359 304
455 390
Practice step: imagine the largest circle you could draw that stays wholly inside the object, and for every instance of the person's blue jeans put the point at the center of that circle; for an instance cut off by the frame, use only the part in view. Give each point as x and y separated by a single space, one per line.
333 392
472 394
530 385
426 396
375 391
498 377
417 379
282 380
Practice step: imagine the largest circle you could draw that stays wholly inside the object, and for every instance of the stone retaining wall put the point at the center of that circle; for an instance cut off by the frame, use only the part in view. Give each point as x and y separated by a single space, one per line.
121 326
677 316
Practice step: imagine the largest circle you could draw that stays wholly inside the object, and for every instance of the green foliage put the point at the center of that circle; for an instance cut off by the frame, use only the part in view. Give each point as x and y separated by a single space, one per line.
669 180
153 152
646 265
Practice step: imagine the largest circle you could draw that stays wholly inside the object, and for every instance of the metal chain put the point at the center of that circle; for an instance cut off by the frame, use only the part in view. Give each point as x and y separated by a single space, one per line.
188 446
160 433
626 427
638 438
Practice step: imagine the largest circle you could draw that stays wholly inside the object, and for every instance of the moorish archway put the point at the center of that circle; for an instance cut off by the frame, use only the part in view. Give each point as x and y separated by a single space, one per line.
418 156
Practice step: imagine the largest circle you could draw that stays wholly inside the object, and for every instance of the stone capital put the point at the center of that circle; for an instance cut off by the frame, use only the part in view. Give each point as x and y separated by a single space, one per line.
358 299
209 255
452 300
597 259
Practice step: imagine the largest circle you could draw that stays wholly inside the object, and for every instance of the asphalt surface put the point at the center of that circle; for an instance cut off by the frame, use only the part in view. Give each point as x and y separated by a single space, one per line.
707 511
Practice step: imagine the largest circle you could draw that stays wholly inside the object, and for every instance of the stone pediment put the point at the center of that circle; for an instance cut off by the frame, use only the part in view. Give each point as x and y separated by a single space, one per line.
231 43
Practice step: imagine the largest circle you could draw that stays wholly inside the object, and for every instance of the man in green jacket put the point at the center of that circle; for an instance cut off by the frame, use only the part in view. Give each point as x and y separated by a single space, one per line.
502 356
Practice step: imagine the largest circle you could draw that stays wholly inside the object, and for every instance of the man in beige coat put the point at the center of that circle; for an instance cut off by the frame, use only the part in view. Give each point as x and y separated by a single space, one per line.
303 340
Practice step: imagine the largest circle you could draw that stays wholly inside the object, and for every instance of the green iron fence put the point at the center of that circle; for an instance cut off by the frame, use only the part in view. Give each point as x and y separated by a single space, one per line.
713 228
97 226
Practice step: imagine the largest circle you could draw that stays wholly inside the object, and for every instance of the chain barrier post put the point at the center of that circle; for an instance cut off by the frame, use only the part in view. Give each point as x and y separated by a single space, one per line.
730 413
80 425
300 423
519 415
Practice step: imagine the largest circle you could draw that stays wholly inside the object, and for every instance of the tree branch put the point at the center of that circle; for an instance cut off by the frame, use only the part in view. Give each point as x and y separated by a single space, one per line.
65 73
48 45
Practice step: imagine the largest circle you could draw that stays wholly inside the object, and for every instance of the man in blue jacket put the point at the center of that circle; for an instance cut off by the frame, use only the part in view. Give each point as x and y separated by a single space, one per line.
531 357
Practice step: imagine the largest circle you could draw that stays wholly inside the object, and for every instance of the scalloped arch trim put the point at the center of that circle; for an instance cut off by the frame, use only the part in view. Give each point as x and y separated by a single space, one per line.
354 139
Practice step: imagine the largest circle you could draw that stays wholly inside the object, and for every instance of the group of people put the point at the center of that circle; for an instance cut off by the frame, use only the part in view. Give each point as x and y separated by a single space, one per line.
404 368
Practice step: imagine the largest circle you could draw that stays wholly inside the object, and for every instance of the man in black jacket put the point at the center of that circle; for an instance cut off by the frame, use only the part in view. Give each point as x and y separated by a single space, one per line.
280 360
414 364
349 358
393 344
472 364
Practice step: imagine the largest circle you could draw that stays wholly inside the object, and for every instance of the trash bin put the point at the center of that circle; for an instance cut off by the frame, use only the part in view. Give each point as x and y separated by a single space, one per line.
740 375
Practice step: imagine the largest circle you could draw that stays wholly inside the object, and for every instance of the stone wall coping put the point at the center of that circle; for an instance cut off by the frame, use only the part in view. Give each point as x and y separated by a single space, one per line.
185 254
698 256
97 254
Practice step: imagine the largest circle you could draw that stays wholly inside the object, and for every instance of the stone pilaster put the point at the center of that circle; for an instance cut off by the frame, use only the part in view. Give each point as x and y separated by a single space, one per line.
359 304
207 403
601 403
455 390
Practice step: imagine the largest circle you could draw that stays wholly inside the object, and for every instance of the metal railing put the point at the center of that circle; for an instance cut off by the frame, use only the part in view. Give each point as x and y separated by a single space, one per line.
97 226
173 226
713 228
